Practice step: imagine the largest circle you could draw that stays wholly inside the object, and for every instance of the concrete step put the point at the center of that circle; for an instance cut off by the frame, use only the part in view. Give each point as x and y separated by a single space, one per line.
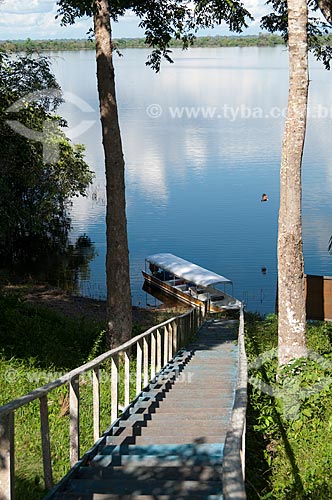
197 401
195 377
182 426
112 496
213 405
183 451
183 435
173 454
182 438
163 418
205 438
189 411
211 367
180 473
143 487
148 404
136 419
210 386
110 461
124 432
197 395
188 431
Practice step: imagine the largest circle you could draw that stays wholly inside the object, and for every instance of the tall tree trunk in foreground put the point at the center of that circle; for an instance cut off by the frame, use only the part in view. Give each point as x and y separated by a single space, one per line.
291 297
119 310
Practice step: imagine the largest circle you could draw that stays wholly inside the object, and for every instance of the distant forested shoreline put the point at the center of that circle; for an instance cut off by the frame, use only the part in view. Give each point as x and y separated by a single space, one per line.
261 40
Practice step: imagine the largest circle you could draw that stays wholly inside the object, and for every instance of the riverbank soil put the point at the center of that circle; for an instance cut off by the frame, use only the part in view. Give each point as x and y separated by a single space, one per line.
72 306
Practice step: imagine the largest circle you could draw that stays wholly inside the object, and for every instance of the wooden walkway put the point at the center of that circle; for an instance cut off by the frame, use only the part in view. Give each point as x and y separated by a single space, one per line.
170 444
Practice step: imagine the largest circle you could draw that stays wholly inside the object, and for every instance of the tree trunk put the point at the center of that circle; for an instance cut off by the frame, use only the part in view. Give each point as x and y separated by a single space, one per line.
119 309
291 297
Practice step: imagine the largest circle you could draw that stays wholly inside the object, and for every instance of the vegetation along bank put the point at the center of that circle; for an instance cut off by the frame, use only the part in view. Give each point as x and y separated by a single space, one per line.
262 40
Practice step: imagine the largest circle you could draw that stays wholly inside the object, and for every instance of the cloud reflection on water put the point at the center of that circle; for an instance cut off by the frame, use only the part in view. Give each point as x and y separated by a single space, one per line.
190 181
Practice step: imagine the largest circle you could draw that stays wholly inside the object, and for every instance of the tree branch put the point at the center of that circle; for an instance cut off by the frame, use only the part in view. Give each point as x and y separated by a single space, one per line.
326 9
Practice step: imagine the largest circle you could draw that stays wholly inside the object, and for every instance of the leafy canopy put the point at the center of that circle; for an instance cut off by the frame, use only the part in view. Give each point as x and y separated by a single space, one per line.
34 195
277 21
163 20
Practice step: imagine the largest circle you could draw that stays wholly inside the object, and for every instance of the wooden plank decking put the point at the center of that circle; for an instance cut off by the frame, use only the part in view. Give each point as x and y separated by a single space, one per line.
171 444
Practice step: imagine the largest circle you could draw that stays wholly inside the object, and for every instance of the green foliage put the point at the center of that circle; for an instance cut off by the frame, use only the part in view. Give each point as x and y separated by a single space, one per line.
261 40
34 189
38 346
163 21
49 45
319 338
289 435
28 332
18 377
319 38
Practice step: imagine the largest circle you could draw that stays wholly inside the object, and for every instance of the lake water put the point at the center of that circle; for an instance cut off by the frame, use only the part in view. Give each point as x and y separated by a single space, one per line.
202 142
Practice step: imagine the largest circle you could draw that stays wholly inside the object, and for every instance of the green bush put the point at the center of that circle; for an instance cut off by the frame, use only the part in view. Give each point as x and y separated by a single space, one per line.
289 439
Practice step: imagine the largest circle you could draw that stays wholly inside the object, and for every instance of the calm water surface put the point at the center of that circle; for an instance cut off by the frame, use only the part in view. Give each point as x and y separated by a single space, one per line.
202 142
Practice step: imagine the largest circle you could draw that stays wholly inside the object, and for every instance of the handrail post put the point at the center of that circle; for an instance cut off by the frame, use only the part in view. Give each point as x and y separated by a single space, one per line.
165 329
175 336
126 378
243 450
74 420
114 387
153 354
7 456
145 362
187 327
159 344
46 446
139 368
96 402
180 332
170 342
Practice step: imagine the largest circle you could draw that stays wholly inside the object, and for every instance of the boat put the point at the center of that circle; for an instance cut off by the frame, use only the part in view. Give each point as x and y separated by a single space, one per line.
189 283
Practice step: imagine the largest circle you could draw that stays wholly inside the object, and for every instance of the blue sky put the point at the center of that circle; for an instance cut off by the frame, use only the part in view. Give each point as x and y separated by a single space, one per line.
20 19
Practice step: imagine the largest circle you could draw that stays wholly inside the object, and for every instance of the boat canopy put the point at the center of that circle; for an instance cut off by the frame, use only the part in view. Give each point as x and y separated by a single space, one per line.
186 270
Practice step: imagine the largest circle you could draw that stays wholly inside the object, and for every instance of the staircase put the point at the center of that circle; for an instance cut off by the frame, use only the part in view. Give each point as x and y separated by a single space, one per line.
169 442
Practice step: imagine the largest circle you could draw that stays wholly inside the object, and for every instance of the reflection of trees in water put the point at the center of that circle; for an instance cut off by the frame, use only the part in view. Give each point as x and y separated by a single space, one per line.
79 257
41 171
62 265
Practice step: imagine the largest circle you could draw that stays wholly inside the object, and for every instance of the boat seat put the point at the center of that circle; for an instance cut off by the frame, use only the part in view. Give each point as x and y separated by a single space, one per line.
183 287
217 297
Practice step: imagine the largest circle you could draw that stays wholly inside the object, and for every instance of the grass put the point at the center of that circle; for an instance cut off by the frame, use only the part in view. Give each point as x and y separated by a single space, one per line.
289 434
37 346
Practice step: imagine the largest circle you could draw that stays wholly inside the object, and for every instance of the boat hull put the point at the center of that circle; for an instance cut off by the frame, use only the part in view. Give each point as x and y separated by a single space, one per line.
172 291
205 305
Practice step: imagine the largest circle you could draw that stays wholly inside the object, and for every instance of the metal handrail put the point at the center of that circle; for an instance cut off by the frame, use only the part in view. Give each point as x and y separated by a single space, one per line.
234 450
154 348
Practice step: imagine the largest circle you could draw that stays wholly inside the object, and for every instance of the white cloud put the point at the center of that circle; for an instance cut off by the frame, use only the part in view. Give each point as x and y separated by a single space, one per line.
24 7
35 19
256 8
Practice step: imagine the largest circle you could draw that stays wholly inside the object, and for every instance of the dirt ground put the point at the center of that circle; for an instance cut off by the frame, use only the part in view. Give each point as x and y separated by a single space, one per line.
72 306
